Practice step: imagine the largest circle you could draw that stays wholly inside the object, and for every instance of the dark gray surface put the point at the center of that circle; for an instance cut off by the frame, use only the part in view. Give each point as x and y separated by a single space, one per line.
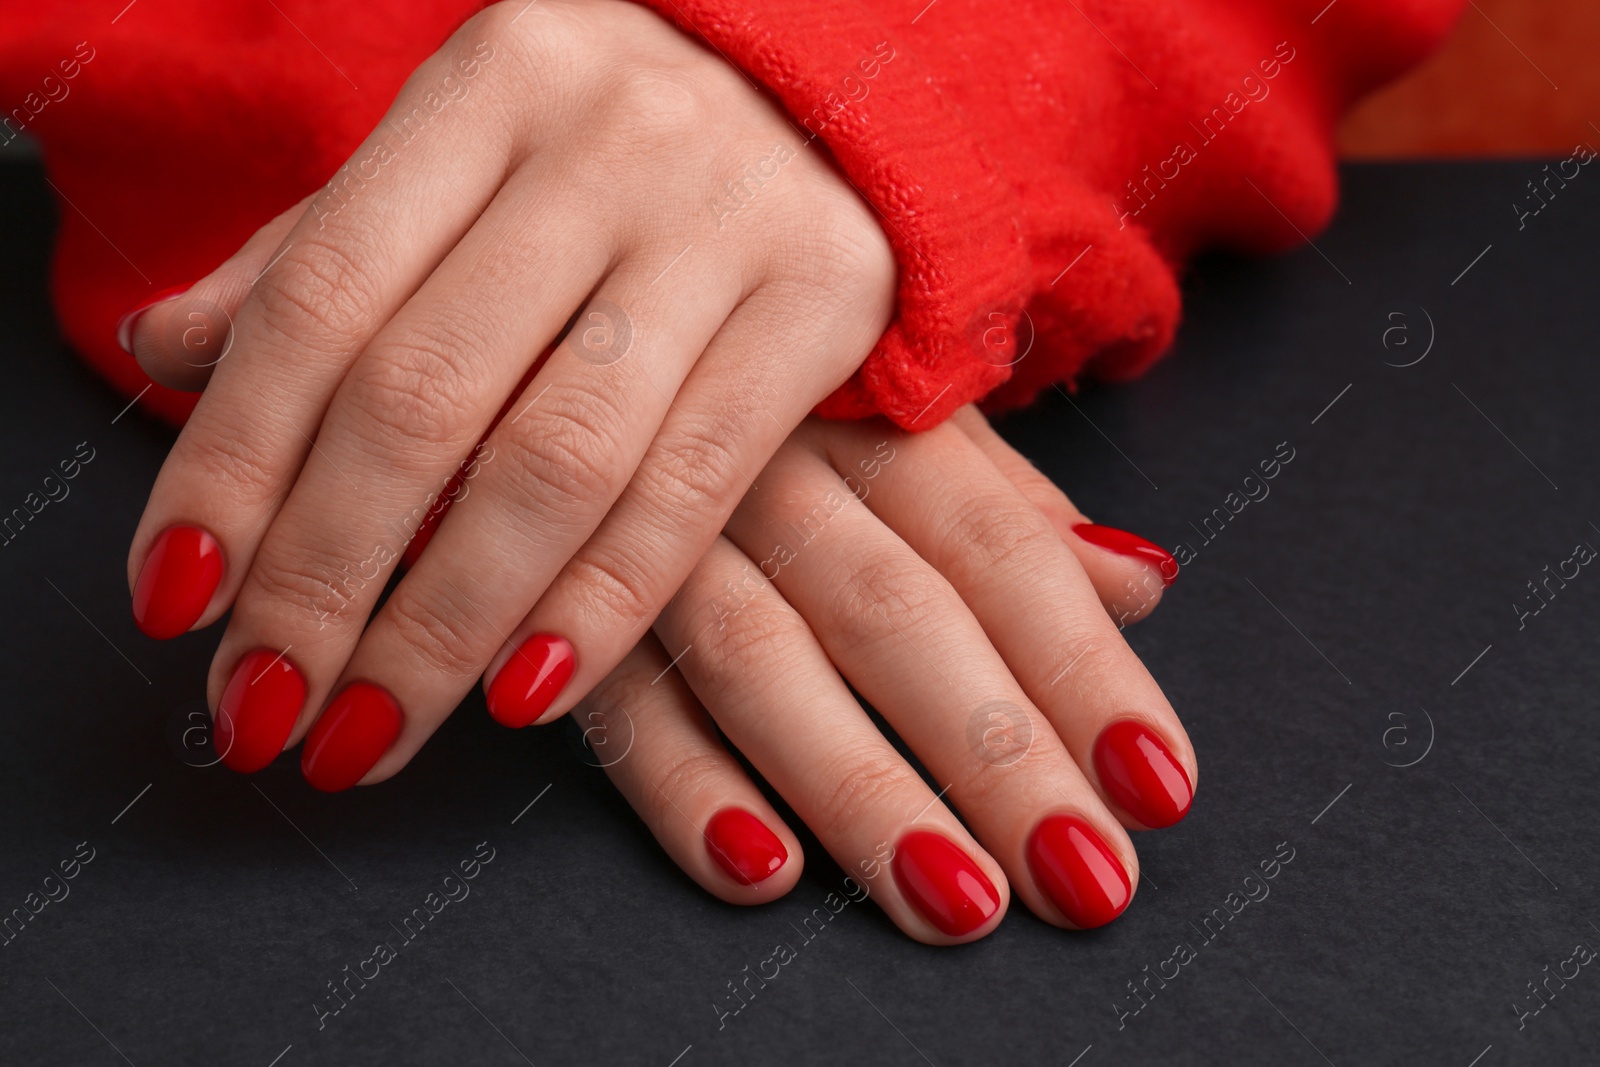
1317 641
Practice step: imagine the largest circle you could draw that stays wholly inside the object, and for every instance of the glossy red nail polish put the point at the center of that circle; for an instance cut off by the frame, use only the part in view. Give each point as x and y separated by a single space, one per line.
1139 773
257 710
943 883
353 734
531 679
1078 871
743 846
176 584
130 319
1126 544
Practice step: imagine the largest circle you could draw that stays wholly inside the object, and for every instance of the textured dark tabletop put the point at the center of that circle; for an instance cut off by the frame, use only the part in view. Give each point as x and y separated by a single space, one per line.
1347 654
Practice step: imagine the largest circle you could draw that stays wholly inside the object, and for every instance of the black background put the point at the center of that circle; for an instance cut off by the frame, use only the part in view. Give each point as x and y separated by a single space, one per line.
1321 639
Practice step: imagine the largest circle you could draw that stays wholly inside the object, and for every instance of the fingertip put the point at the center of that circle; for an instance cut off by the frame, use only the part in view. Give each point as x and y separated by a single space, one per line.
528 683
1130 574
130 319
951 891
1132 546
751 861
1140 772
1079 871
177 581
356 730
180 335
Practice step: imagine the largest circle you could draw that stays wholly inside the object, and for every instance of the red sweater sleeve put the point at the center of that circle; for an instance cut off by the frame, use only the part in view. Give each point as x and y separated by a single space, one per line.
1042 170
1044 167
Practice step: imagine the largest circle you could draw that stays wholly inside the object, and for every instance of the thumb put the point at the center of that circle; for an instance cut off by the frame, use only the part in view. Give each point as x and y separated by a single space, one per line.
182 334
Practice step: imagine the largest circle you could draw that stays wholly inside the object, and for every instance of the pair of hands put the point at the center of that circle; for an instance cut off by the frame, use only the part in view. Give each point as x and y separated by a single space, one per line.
577 171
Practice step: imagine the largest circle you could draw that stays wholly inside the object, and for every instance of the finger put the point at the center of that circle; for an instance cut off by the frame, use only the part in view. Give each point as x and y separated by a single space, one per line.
761 673
179 336
720 431
902 637
1128 572
685 785
549 474
1034 601
343 269
400 427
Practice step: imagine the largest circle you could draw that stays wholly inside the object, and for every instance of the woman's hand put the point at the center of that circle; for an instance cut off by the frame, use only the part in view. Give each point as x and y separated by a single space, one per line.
963 596
566 169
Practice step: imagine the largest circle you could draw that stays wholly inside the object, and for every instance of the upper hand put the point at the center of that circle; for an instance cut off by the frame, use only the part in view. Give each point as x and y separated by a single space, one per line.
572 170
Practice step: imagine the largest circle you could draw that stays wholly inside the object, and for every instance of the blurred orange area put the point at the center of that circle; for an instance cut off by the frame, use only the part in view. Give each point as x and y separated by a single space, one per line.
1516 77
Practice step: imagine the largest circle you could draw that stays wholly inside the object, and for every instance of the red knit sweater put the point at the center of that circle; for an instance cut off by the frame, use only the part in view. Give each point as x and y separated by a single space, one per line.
1042 167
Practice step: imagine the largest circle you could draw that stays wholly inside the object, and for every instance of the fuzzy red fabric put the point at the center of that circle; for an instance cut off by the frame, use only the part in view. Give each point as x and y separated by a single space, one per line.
1042 168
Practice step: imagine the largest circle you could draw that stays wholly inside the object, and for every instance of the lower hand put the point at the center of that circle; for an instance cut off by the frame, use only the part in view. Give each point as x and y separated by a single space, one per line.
958 591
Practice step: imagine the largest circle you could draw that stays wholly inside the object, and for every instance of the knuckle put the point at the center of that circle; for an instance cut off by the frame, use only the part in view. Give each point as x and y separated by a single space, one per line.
551 46
664 106
885 599
614 587
504 21
746 647
234 467
1092 663
318 296
860 244
991 529
394 405
684 773
743 636
867 785
496 20
436 630
693 473
308 580
563 459
846 251
978 784
418 387
629 685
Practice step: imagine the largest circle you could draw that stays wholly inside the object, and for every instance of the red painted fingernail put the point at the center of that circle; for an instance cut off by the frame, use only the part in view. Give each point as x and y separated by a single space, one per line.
531 680
1126 544
352 735
943 883
1139 772
257 710
1078 871
743 846
175 585
130 319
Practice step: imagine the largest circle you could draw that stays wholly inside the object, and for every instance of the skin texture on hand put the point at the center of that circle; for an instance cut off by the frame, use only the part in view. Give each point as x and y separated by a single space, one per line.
573 217
941 577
